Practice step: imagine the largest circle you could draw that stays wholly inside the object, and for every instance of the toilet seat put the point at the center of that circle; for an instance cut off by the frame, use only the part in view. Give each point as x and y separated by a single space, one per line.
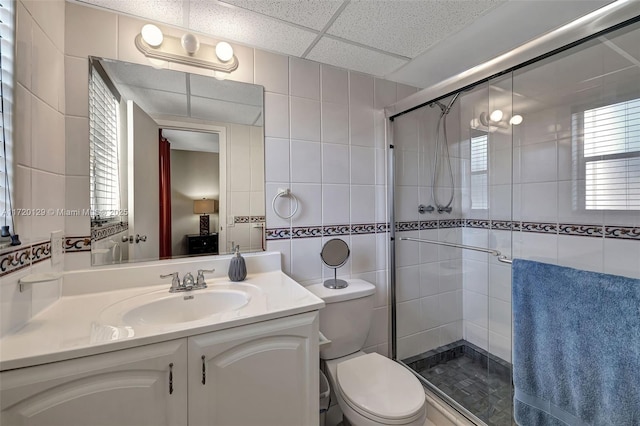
380 389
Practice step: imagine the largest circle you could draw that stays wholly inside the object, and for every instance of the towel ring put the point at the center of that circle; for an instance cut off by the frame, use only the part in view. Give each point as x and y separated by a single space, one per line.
285 193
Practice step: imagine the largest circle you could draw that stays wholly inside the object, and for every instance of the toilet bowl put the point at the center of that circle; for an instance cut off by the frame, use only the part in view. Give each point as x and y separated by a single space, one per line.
371 390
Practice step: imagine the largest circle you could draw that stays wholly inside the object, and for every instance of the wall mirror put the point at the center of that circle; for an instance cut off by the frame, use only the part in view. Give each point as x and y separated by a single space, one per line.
176 164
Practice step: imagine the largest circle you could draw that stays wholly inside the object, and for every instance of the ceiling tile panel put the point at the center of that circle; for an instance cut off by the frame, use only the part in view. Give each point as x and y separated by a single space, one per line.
221 111
248 28
167 11
406 27
345 55
157 102
309 13
145 77
207 87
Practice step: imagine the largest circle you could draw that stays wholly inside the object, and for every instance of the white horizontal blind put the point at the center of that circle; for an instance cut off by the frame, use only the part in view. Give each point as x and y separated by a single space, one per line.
612 156
6 106
479 166
103 154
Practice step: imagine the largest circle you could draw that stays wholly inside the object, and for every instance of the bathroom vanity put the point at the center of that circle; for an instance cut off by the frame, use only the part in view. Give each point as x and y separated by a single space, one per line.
106 358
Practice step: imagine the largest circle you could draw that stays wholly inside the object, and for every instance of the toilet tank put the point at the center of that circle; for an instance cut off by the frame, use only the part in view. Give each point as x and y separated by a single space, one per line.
346 318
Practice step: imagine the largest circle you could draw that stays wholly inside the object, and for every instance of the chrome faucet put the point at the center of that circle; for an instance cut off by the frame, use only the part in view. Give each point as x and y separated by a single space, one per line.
188 283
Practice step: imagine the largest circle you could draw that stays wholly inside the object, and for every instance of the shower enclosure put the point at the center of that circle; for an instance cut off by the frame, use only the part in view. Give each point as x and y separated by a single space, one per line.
537 160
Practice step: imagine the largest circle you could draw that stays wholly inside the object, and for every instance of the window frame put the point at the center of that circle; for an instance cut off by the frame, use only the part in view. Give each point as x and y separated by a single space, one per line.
579 161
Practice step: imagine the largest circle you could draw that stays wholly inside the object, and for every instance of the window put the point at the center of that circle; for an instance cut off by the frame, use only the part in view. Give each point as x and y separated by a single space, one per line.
6 106
479 169
103 153
609 155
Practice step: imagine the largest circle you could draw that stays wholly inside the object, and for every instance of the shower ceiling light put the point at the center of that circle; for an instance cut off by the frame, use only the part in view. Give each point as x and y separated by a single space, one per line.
516 119
186 50
496 115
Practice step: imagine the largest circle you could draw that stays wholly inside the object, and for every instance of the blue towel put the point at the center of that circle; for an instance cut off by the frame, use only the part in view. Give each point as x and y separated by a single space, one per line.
576 349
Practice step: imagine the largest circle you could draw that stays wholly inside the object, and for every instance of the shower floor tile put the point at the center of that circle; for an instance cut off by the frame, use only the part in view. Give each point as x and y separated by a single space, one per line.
468 378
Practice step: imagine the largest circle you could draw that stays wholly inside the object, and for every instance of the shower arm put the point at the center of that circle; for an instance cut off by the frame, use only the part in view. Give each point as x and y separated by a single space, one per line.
501 258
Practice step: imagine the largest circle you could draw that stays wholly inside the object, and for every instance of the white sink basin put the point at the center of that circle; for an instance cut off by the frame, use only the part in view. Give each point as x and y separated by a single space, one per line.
162 308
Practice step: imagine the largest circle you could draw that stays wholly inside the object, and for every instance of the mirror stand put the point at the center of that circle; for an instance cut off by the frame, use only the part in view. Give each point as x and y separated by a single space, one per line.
334 254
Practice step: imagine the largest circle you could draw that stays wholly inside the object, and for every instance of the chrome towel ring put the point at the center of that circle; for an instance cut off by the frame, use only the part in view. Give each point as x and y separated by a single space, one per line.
285 192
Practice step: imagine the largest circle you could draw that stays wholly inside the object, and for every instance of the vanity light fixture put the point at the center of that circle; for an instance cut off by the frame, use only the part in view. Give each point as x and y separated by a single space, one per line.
152 35
494 121
186 50
516 119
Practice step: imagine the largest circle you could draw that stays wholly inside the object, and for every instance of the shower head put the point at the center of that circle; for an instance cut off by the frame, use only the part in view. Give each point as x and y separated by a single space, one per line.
453 100
445 109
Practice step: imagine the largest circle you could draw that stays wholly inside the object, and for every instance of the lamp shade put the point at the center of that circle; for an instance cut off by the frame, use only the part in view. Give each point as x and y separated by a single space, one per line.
205 206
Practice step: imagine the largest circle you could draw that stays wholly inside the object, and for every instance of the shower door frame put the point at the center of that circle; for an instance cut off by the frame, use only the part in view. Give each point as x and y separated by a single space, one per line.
595 24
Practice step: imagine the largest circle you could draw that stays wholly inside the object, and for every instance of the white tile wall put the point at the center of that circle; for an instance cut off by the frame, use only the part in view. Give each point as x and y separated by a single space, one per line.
39 137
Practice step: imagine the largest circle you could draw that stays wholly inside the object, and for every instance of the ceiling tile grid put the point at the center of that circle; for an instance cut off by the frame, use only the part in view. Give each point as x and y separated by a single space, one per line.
247 27
167 11
314 14
356 58
406 27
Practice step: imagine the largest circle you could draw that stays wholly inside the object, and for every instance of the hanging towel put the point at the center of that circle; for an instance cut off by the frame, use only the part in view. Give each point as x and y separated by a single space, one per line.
576 349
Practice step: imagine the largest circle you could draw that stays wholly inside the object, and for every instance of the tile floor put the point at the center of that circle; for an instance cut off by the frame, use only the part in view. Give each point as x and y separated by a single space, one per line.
478 381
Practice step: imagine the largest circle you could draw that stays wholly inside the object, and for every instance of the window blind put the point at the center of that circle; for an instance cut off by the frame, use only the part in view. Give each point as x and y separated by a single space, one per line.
479 169
103 154
611 155
6 106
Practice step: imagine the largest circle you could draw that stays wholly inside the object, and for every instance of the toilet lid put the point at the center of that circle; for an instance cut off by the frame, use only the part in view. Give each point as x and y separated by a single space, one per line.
381 387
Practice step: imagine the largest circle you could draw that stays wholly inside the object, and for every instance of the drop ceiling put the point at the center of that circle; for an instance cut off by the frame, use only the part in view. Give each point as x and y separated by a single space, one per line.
162 93
417 42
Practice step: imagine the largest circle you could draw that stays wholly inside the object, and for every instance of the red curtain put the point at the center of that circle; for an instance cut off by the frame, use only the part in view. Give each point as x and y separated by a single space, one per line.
165 197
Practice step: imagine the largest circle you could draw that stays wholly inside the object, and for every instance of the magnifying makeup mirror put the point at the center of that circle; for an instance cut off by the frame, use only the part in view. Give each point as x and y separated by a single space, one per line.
334 254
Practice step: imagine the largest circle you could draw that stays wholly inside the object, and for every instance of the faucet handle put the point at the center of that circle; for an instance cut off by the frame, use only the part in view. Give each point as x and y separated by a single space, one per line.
175 282
200 279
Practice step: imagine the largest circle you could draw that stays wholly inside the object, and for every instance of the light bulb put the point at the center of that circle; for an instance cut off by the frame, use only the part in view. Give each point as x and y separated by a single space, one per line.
190 43
475 123
516 119
224 51
496 115
152 35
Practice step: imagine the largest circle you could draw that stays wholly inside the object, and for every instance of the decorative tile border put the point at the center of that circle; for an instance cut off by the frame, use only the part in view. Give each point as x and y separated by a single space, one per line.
624 233
77 244
278 234
429 224
540 227
24 256
103 232
582 230
326 231
248 219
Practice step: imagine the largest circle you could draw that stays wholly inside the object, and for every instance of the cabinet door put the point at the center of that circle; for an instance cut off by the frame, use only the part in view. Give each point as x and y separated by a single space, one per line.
260 374
126 388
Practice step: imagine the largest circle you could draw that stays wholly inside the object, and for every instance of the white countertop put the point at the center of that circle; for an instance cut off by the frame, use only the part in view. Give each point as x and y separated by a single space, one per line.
75 326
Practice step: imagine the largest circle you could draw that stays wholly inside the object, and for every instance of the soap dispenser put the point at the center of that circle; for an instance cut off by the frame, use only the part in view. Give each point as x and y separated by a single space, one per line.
237 267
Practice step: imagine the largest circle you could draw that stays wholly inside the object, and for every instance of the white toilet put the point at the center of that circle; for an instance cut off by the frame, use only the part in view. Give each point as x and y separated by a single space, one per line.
371 389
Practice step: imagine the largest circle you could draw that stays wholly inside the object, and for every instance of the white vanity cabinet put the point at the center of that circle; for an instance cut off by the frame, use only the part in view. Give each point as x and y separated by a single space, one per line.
264 373
130 387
